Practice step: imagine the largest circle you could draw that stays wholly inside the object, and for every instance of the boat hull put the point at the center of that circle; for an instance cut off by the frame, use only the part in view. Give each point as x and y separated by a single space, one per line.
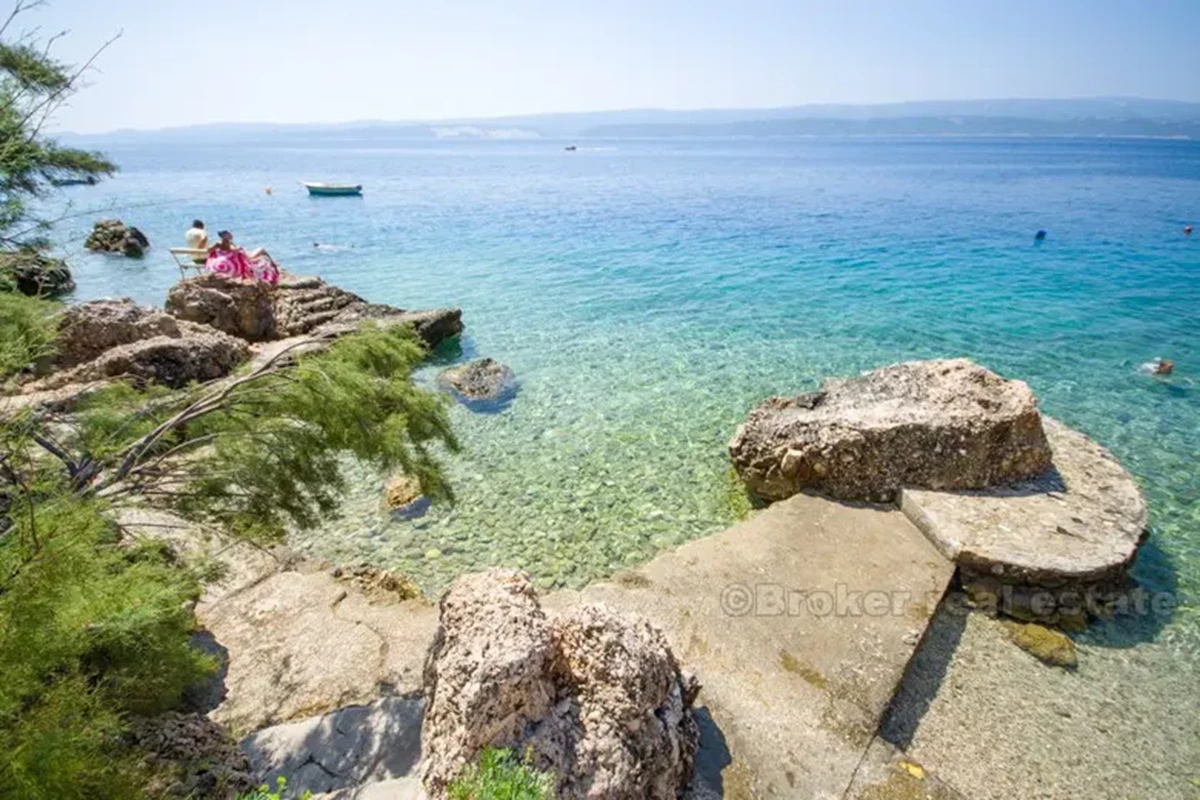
318 190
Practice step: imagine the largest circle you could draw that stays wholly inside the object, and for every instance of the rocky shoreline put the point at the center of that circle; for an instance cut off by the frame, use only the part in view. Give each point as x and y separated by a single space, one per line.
912 480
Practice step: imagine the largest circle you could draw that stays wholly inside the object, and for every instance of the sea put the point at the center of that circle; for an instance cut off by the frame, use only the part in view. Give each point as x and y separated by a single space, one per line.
648 293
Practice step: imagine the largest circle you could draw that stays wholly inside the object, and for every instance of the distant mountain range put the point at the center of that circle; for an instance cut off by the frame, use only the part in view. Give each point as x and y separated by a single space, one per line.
1100 116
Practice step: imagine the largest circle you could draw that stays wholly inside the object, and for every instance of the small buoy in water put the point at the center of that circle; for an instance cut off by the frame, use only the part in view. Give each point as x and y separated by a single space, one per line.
1040 235
267 190
1187 230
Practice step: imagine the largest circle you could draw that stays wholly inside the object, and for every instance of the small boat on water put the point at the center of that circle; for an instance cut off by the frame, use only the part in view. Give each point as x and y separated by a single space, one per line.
318 189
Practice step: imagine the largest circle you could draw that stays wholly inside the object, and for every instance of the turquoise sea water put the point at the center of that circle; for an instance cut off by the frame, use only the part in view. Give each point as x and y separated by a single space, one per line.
649 293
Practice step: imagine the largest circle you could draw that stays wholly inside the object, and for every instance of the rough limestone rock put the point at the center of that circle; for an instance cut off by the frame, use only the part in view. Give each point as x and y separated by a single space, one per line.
194 756
945 424
36 274
1056 547
597 698
483 379
259 312
88 329
113 236
198 354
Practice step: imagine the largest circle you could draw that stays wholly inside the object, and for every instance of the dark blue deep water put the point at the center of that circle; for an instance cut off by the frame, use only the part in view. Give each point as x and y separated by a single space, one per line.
648 293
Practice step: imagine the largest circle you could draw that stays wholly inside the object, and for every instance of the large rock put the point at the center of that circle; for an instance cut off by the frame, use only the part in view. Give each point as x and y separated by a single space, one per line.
88 329
597 699
946 424
113 236
198 354
35 274
259 312
483 380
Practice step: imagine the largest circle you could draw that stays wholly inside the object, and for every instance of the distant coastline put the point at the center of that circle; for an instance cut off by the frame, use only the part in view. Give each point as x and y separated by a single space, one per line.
1088 117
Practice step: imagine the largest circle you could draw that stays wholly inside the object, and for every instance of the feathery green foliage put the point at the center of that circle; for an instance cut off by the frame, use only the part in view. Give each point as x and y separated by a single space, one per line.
266 454
33 85
94 629
28 327
500 776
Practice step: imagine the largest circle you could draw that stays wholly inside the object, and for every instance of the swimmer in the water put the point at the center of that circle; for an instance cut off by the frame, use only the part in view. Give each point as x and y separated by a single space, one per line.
1159 366
1187 230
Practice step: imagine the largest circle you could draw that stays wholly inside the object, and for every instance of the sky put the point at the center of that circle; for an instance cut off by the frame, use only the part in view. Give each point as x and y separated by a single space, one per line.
183 63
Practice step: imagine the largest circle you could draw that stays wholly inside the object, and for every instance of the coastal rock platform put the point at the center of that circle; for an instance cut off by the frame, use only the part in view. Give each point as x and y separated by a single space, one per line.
104 339
943 424
296 306
1047 547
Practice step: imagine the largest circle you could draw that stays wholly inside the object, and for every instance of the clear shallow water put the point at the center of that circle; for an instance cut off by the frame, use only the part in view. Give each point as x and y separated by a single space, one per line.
648 294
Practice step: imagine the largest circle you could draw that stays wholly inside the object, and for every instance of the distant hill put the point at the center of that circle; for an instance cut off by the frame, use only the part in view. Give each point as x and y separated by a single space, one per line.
1099 116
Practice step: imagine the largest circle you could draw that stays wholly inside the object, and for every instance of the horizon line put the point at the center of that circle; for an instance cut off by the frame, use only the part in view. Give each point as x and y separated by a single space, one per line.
463 120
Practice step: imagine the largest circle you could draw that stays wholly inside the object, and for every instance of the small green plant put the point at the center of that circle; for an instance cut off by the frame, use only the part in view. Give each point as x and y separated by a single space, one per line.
500 776
264 792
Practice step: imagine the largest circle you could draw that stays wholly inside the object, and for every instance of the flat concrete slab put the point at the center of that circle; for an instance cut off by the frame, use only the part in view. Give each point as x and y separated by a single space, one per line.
799 624
1077 526
353 753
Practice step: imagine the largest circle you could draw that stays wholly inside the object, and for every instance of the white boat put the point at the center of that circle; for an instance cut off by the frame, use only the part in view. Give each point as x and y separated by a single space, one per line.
318 189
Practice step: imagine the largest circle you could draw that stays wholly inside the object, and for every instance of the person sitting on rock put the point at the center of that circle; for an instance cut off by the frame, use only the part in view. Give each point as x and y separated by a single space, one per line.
226 258
197 238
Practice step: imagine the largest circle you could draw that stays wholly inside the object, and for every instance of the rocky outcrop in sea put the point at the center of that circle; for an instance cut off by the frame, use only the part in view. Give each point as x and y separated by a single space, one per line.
114 236
260 312
211 325
933 424
1042 522
117 339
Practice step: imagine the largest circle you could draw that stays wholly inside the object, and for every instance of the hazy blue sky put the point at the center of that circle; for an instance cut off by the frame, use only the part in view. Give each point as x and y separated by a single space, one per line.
334 60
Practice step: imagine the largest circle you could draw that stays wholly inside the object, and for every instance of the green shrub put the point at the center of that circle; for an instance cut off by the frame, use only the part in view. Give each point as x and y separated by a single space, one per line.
95 629
28 328
500 776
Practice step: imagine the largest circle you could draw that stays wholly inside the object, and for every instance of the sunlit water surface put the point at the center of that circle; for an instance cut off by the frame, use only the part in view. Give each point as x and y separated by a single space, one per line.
648 294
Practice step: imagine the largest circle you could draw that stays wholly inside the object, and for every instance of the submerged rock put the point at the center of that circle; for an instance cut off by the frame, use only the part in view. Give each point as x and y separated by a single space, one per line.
596 698
1047 645
401 491
403 498
36 274
481 380
113 236
946 424
259 312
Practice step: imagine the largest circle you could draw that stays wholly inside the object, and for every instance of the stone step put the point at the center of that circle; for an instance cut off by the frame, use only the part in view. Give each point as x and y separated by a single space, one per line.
799 623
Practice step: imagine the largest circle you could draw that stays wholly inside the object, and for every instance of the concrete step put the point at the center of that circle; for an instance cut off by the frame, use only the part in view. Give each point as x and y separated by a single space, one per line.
799 623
